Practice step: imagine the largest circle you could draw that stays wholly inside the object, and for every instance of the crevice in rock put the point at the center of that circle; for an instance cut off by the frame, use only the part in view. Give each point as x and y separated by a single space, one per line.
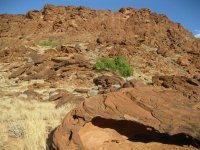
140 133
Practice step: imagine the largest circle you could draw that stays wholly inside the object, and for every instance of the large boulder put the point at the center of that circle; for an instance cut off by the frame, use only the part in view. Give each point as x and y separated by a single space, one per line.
116 119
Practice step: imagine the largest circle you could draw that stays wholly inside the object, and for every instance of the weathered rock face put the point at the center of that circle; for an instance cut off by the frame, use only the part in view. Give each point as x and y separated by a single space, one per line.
118 117
108 81
63 97
129 26
134 83
143 37
190 87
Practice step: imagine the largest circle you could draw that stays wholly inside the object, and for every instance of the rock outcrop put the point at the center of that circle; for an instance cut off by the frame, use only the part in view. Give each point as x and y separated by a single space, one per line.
108 81
62 97
119 117
190 87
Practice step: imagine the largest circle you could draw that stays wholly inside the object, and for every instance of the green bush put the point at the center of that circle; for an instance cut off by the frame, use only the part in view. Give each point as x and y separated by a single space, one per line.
48 43
105 63
118 64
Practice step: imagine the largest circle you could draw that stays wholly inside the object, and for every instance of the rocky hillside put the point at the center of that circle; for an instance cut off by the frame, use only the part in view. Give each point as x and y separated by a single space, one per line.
152 43
47 58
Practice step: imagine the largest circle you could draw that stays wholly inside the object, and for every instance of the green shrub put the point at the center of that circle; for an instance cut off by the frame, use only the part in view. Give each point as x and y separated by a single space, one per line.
105 63
48 43
118 64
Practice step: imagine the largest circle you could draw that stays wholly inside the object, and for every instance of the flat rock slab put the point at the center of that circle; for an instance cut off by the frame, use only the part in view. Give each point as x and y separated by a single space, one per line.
63 97
59 59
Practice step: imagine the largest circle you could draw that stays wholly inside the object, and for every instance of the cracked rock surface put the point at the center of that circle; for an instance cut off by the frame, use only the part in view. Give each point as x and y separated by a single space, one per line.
121 116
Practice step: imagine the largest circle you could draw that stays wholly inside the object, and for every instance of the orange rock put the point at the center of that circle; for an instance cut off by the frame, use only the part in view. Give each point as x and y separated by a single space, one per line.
183 61
190 87
118 117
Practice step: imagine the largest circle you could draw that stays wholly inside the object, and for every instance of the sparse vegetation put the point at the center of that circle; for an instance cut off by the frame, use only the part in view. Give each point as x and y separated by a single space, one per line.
48 43
116 64
29 122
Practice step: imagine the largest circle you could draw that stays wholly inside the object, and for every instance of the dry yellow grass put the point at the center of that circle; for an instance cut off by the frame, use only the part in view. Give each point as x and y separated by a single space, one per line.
30 121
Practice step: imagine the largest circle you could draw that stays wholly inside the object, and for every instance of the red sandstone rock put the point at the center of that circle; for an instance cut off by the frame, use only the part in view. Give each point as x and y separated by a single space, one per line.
183 61
108 81
134 83
35 58
32 95
188 86
119 116
126 30
69 49
63 97
34 14
19 71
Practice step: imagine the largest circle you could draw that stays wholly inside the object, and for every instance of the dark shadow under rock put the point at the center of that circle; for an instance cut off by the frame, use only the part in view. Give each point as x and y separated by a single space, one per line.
140 133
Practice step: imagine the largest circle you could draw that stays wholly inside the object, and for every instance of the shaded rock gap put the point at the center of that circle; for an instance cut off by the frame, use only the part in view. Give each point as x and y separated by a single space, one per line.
136 132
